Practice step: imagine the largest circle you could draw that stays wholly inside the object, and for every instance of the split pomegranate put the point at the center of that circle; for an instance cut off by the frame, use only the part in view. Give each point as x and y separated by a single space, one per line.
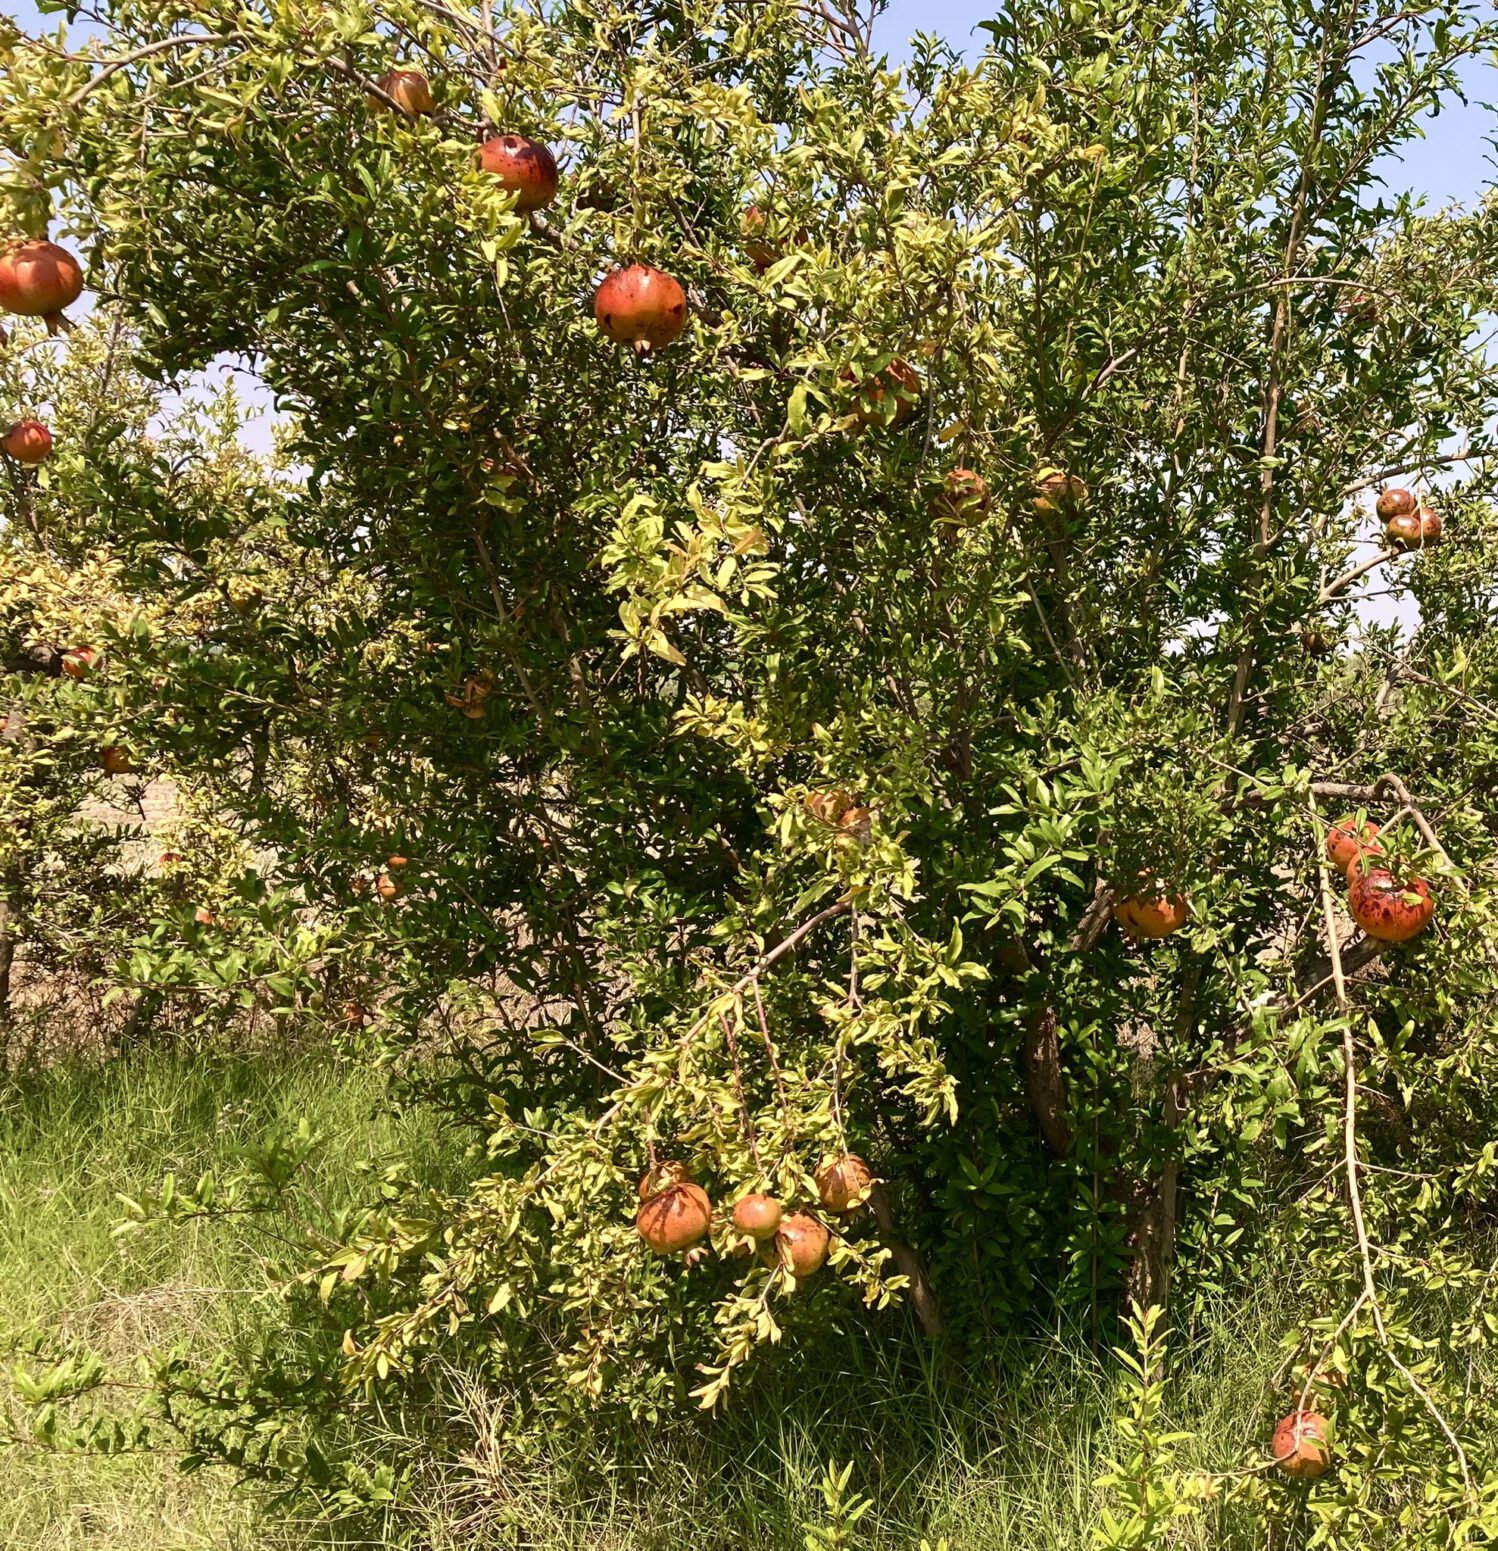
522 167
898 379
674 1219
409 89
77 661
1056 491
843 1182
1302 1445
38 279
800 1245
116 761
1394 502
662 1176
1150 912
640 307
28 441
1346 842
1386 909
757 1215
964 498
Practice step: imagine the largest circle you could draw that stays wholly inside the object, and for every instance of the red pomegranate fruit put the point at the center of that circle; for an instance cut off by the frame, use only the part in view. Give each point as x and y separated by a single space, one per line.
408 89
1431 527
1346 841
964 498
28 441
522 167
38 279
661 1176
1386 909
674 1219
757 1215
1403 531
843 1182
641 307
78 661
899 379
800 1245
1394 502
1150 911
1302 1445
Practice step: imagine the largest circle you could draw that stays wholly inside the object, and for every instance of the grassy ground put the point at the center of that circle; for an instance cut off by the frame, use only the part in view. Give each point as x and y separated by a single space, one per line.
1008 1464
73 1138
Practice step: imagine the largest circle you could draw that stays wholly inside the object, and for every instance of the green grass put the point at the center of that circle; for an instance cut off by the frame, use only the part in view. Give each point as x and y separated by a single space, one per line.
72 1139
1002 1461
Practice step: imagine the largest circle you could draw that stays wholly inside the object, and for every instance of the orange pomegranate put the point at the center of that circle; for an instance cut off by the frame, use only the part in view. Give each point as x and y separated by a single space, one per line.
757 1215
964 498
28 441
409 89
857 825
843 1182
661 1176
38 279
675 1218
640 307
1302 1445
1394 502
116 761
800 1245
899 379
1150 911
1056 491
1386 909
78 661
758 248
203 916
828 807
1346 841
389 888
522 167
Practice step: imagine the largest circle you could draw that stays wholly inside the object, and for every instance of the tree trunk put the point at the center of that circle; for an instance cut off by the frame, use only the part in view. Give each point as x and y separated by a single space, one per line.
910 1264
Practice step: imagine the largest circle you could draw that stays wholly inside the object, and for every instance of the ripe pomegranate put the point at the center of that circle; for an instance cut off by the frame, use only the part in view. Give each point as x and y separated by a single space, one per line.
522 167
1431 527
355 1014
640 307
964 498
28 441
204 916
1359 307
674 1219
1302 1445
1150 912
1317 641
843 1182
1394 502
800 1245
1056 491
170 859
1346 842
758 249
38 279
1403 531
662 1176
757 1215
828 807
77 661
408 88
388 888
857 825
898 379
116 761
1388 910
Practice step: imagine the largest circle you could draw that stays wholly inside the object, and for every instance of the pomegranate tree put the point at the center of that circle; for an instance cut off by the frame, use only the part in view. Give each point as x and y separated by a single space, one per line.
28 441
38 279
1302 1445
674 1219
1386 908
1057 491
641 307
522 167
964 498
